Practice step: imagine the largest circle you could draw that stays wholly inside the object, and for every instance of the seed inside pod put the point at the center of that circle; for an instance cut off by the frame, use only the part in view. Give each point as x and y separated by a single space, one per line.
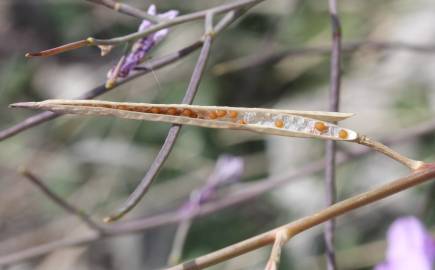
186 112
343 134
233 114
279 123
194 115
141 109
155 110
212 115
172 111
320 126
221 113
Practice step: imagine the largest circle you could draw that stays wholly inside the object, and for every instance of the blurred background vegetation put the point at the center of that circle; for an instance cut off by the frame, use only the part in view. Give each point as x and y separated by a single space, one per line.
96 162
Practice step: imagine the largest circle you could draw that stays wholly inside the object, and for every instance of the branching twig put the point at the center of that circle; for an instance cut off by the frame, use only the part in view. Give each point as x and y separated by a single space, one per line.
151 174
349 47
178 20
306 223
126 9
152 65
137 35
330 150
99 90
220 69
248 193
61 202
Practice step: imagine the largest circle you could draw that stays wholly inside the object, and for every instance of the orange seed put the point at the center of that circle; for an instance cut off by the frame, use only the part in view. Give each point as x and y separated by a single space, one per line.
155 110
233 114
279 123
172 111
187 112
221 113
212 115
320 126
343 134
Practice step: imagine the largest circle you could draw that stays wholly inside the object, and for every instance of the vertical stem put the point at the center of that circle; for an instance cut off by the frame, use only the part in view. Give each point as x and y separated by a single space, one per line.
170 140
334 97
179 240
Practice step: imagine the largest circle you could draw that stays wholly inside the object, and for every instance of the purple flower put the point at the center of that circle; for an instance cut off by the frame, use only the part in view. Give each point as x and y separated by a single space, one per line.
410 246
141 47
228 169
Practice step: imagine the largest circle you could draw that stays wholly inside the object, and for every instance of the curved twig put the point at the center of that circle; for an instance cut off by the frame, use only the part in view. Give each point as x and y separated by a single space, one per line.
61 202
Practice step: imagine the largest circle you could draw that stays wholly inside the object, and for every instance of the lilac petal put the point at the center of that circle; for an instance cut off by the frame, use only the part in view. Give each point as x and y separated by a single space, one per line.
410 246
152 10
141 47
135 57
169 15
228 169
144 25
161 34
383 266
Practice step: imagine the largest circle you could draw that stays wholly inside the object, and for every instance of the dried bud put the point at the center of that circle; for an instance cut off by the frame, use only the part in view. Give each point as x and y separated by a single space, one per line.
105 49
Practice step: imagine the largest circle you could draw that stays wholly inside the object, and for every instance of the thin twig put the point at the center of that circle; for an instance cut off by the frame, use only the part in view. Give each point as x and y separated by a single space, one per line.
64 48
40 250
126 9
377 146
178 20
61 202
224 8
179 240
303 224
99 90
220 69
152 65
167 146
330 150
348 47
248 193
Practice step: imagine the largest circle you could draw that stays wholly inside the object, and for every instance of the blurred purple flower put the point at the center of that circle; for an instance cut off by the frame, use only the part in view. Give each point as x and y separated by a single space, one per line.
141 47
228 169
410 246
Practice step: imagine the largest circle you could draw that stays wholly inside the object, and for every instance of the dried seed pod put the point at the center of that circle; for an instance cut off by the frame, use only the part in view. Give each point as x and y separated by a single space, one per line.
307 124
